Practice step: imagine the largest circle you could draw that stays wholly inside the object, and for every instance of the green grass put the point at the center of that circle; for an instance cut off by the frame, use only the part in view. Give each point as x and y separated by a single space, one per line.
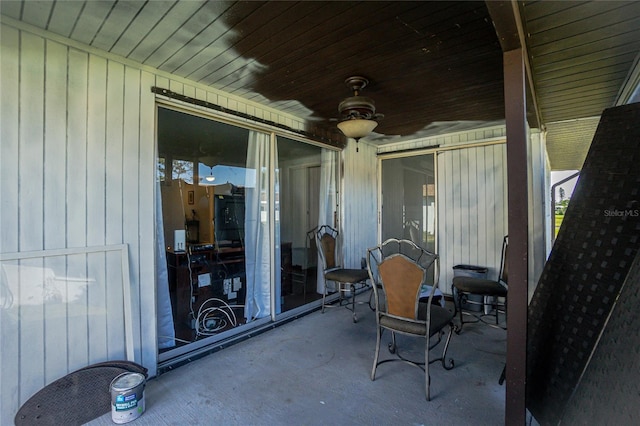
559 218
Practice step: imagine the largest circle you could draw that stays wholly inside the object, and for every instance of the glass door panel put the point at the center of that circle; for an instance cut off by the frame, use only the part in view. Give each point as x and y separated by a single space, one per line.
205 185
299 194
409 199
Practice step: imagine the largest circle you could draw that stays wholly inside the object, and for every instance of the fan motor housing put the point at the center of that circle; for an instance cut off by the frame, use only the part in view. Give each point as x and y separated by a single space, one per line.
357 106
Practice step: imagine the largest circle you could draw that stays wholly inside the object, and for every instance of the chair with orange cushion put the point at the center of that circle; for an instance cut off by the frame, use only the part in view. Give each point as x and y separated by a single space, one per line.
400 266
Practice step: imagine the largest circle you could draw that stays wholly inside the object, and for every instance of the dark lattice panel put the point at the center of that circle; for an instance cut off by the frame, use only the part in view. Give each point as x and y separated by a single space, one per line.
609 391
591 257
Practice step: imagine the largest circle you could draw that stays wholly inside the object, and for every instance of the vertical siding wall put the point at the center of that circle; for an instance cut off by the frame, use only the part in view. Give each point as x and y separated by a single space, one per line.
77 169
359 202
472 208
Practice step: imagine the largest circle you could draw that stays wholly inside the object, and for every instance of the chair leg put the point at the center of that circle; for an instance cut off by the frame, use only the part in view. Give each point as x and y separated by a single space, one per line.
375 358
427 379
324 295
372 299
392 345
446 347
458 307
353 302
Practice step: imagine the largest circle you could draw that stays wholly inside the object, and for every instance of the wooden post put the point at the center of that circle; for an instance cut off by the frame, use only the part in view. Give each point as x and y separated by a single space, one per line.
518 214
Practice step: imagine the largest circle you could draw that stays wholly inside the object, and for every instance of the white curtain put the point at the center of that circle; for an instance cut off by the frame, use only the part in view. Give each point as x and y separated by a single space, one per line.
258 242
166 331
328 201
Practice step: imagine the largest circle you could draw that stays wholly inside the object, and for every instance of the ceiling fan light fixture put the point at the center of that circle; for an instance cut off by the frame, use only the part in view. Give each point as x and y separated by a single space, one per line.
357 128
357 113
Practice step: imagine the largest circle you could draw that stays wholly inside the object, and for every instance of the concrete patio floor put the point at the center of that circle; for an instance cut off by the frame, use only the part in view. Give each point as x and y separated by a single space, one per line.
316 371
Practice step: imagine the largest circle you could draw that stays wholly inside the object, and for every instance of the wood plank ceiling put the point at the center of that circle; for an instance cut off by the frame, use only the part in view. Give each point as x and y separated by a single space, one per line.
581 54
430 63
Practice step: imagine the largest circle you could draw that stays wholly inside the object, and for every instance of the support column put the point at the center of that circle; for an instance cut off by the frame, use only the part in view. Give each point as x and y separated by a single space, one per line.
518 213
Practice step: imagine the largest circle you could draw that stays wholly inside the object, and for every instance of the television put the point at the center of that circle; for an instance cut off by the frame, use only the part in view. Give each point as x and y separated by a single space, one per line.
229 220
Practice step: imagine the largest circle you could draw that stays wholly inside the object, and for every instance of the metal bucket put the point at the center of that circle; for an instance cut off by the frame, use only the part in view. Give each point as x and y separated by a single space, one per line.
127 397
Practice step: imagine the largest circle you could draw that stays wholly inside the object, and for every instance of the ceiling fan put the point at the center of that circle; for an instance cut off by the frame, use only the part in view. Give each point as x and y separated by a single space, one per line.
357 113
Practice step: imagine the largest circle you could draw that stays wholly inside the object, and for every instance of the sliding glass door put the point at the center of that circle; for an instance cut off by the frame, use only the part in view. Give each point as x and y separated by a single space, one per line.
299 175
211 185
235 216
408 197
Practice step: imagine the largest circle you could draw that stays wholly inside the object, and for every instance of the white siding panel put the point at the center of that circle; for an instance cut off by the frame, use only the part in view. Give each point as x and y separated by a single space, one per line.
9 147
163 82
114 153
96 188
455 187
176 86
31 154
189 90
464 210
96 162
9 143
55 155
115 210
131 174
486 134
480 188
31 209
473 197
76 150
359 211
471 209
444 205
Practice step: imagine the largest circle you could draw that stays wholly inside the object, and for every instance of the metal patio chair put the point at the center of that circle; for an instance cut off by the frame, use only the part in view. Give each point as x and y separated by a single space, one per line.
493 292
400 266
347 280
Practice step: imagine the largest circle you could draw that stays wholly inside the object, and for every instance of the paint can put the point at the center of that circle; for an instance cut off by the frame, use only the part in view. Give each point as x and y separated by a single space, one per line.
127 397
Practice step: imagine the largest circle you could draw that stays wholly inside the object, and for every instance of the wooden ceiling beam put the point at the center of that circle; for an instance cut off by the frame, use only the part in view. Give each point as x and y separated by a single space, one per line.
509 28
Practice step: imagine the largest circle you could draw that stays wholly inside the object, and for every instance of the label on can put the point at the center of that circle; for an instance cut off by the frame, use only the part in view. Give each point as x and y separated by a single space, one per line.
126 402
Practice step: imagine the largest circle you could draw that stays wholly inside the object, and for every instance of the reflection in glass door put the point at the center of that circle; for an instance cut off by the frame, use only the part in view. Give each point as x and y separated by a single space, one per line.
235 225
214 210
409 199
299 194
